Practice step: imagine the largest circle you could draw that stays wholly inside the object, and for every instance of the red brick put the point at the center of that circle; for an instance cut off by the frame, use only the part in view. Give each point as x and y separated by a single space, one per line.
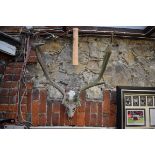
4 100
13 99
93 120
15 65
14 84
81 119
6 85
29 85
24 100
11 77
8 108
8 77
56 107
62 114
23 115
29 101
15 77
55 119
105 120
81 108
32 53
4 91
43 97
13 91
42 119
106 102
2 69
10 70
106 108
83 96
9 84
94 108
87 114
32 59
49 112
23 108
35 112
23 91
112 117
100 115
35 94
11 115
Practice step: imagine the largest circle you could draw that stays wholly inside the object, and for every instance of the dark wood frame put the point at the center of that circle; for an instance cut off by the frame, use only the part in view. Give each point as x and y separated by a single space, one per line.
121 90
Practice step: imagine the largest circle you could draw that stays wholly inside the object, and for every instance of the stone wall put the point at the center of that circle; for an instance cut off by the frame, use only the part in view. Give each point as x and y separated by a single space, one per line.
131 63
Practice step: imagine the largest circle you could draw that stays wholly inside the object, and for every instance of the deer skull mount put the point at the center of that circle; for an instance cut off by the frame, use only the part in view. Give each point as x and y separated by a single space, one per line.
71 99
71 103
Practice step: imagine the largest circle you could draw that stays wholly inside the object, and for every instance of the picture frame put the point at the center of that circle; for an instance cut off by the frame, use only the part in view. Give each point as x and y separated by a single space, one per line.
135 107
135 117
152 116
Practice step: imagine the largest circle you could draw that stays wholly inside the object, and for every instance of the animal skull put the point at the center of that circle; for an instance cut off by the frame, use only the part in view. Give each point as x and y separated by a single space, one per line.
71 103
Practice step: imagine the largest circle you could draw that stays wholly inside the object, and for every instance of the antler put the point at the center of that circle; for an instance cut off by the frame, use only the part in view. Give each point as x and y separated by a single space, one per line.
103 67
43 66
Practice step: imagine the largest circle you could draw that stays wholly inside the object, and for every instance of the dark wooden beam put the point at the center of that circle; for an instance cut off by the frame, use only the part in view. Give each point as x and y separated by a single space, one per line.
67 31
9 39
149 30
97 29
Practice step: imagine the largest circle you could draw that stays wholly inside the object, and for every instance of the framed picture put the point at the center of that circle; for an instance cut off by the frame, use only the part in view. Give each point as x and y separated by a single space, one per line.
135 107
143 100
135 100
127 100
152 117
135 117
150 100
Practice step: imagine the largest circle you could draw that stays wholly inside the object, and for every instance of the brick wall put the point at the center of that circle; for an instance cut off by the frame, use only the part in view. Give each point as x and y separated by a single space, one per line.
42 112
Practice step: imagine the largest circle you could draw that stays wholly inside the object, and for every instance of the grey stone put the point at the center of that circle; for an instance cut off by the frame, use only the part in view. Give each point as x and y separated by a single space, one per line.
94 93
53 93
132 63
93 50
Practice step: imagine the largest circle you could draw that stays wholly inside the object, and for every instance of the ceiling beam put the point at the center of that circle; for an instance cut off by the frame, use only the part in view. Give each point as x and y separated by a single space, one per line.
67 31
149 30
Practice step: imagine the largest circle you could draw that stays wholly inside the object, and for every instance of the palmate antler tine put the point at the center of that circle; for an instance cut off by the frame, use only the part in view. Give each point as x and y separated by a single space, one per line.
103 68
43 66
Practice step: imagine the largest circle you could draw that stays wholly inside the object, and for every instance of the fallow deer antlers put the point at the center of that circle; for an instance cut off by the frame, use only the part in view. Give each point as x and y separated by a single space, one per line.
70 99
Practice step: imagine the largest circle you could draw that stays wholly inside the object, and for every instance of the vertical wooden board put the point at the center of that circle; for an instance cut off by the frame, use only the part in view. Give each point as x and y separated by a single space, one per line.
75 46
